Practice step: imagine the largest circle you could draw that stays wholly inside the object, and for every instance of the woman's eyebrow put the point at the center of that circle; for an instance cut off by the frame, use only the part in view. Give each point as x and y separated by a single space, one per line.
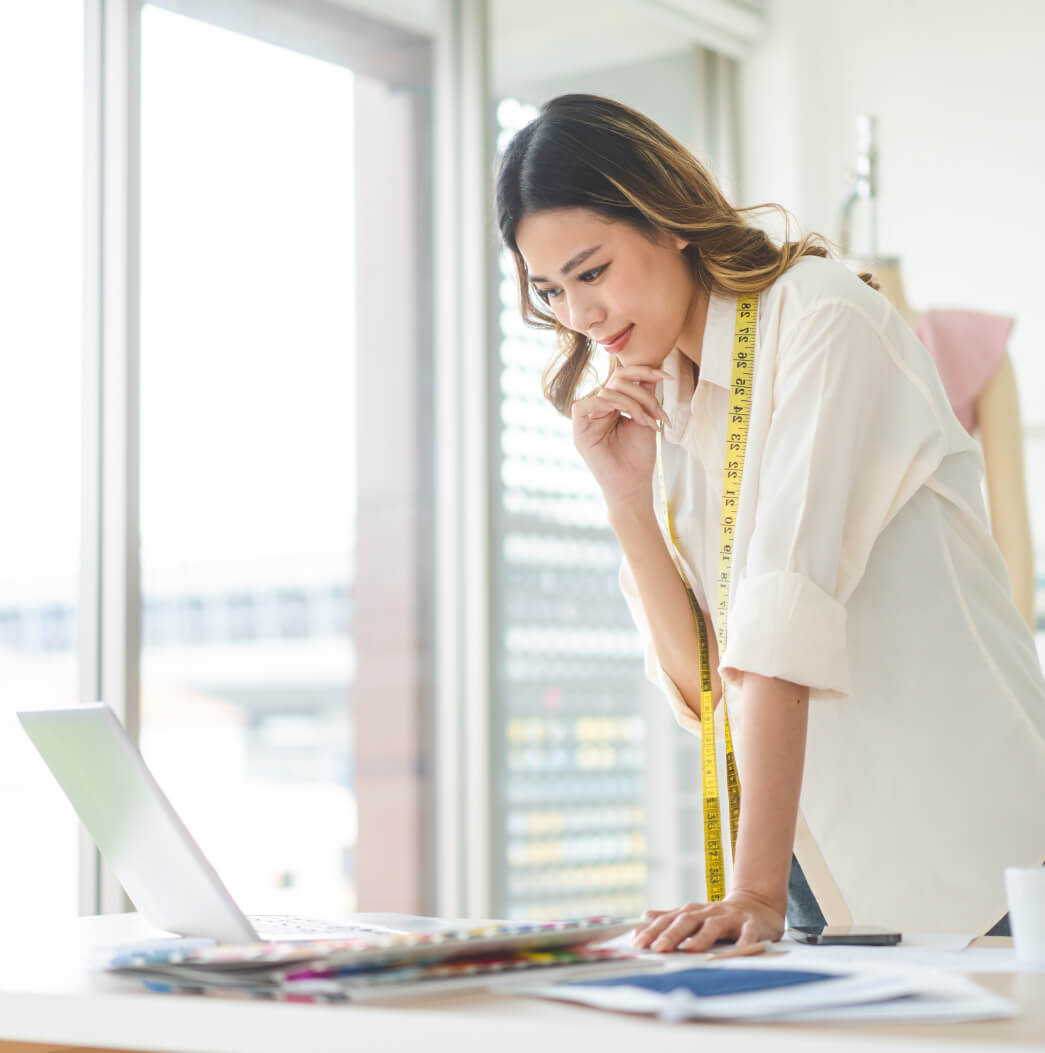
568 266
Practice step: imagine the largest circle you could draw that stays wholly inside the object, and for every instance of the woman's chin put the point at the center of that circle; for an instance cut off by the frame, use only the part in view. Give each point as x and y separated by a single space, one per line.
642 358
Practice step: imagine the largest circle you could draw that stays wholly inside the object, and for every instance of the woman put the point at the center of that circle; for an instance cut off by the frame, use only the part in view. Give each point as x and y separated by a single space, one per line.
877 673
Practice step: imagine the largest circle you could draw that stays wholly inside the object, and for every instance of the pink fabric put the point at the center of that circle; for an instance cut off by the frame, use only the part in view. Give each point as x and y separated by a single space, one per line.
967 348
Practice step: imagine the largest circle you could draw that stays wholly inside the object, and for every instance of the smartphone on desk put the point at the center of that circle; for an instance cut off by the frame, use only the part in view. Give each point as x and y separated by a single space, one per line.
845 935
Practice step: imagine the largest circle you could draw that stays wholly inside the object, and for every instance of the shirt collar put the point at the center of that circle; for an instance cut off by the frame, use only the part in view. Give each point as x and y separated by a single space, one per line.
716 365
716 352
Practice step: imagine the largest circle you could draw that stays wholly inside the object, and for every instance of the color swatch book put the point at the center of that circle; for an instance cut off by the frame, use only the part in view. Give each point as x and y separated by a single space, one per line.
350 969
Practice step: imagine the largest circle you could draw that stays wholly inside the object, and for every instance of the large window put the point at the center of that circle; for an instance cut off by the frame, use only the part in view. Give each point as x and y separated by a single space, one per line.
41 189
570 744
272 256
256 362
596 790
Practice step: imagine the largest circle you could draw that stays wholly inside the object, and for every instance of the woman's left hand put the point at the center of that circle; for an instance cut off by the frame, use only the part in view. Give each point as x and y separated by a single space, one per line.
741 916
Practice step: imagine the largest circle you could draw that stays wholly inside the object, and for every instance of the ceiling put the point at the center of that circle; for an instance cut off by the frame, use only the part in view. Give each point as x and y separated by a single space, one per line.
544 39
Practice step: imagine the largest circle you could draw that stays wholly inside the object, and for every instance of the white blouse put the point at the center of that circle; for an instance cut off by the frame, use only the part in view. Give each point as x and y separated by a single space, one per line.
864 568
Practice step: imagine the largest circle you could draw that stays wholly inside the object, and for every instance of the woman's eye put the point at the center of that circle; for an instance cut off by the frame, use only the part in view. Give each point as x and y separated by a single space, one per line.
547 295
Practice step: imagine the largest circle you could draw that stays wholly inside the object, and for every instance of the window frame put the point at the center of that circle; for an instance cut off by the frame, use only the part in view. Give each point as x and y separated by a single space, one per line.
110 600
457 748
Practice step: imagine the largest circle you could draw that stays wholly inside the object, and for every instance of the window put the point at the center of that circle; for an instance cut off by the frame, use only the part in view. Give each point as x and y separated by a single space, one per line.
277 240
286 454
569 741
41 275
598 807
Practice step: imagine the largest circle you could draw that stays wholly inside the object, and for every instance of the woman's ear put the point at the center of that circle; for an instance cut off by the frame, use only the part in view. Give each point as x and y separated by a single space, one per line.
668 237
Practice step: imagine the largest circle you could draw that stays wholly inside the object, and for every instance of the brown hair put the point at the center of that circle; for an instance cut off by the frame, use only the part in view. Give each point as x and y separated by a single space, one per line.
589 152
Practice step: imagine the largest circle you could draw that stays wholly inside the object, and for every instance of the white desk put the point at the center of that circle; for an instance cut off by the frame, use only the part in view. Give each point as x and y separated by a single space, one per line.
48 997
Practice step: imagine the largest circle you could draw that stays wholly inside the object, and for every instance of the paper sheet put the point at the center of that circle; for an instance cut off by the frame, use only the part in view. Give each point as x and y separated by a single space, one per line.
946 953
930 950
745 990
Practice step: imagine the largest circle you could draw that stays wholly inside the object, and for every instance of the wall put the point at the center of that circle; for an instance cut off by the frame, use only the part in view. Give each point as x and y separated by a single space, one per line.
957 86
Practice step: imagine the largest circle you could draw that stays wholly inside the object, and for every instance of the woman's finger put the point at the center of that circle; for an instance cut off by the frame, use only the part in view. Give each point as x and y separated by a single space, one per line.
645 936
641 393
634 373
634 382
715 928
590 408
750 932
653 930
624 401
648 918
681 928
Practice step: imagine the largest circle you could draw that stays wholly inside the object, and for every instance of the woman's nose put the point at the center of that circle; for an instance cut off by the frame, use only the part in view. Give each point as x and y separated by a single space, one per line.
585 312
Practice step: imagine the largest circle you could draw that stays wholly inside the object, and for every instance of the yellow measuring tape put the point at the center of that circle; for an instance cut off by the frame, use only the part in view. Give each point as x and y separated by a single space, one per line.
732 476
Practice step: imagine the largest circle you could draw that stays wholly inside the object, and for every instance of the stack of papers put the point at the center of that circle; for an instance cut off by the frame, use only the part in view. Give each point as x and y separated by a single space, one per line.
378 965
744 990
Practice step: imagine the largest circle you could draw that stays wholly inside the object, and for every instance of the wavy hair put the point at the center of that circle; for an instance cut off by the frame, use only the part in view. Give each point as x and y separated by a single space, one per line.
589 152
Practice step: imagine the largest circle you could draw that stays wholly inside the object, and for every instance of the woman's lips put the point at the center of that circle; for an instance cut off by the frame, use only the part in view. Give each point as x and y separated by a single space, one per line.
618 342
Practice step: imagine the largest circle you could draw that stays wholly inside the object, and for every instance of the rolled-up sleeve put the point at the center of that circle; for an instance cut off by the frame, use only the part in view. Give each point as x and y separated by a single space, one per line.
784 625
854 432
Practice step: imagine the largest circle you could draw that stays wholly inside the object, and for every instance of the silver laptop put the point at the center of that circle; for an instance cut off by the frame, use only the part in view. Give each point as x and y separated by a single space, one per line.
148 847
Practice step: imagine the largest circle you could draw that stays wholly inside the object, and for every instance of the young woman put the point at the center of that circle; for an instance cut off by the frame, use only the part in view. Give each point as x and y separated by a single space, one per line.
885 698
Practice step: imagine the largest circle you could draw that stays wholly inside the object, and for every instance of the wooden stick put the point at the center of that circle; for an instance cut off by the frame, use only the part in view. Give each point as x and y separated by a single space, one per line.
744 951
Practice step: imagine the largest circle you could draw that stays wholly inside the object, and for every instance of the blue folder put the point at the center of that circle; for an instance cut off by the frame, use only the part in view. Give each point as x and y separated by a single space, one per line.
708 982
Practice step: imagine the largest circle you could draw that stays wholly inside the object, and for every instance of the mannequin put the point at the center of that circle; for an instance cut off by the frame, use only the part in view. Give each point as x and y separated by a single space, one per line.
996 420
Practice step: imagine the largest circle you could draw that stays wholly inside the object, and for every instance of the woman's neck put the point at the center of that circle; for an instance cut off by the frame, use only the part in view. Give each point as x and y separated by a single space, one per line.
691 339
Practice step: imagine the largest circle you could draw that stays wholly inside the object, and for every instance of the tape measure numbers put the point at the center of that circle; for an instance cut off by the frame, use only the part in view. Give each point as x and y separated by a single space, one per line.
741 381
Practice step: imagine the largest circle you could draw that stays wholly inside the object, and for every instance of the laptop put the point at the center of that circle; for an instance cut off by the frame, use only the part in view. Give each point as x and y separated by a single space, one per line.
155 858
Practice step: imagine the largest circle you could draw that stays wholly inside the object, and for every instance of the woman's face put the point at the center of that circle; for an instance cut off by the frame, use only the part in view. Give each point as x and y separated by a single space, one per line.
610 282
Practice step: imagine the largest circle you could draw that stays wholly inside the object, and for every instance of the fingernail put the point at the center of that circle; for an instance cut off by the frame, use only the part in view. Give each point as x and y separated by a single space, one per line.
661 945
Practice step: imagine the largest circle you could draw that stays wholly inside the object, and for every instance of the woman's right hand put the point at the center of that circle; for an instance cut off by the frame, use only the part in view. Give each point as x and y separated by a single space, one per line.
621 450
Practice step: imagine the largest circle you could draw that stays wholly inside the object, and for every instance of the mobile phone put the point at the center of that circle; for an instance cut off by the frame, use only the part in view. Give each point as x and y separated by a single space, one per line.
841 935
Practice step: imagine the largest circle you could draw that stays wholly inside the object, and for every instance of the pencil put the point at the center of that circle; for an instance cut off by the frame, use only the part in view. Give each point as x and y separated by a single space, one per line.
744 951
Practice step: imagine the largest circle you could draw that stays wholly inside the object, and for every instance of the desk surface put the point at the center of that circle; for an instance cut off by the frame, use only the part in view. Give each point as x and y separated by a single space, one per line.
49 1001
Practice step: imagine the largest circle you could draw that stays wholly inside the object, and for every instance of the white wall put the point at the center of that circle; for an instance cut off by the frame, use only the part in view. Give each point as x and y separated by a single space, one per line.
959 90
958 87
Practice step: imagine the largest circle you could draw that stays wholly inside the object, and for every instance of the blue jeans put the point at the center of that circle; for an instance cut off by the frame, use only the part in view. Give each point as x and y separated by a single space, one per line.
803 909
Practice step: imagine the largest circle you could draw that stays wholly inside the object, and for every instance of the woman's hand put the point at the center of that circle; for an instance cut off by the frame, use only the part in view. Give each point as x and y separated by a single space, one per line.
741 916
615 429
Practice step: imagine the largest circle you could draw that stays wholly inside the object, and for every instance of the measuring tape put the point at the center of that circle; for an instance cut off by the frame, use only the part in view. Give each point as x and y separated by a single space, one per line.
732 475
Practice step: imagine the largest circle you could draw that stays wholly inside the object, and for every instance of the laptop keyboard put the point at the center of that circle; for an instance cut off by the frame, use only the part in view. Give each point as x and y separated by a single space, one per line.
290 926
